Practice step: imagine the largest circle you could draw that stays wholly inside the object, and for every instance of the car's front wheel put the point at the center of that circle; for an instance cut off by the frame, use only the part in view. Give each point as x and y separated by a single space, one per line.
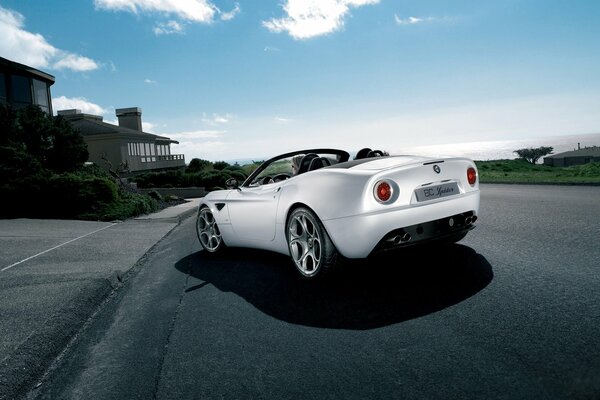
310 247
208 231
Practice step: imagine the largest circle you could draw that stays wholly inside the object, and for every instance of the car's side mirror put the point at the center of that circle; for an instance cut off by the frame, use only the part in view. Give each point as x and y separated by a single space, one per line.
232 183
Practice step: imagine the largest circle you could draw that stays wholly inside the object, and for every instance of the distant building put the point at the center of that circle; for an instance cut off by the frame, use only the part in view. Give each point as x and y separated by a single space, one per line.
124 145
21 85
575 157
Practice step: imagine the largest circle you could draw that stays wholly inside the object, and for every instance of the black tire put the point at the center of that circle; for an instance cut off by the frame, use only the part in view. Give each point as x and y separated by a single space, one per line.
311 249
208 231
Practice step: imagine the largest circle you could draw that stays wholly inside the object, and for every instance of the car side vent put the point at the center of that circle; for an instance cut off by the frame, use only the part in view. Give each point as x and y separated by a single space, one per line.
220 206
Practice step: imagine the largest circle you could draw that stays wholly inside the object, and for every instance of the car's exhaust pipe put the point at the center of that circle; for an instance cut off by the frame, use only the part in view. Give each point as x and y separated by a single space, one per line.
470 219
402 238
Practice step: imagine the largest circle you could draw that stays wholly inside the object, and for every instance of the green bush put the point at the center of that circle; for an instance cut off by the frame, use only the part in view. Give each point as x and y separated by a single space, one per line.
207 178
155 195
128 205
72 196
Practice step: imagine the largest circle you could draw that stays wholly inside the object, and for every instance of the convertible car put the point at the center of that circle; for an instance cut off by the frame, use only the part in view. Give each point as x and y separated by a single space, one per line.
319 207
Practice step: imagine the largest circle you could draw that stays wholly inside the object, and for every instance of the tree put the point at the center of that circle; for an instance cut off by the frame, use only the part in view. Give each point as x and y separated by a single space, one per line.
68 151
51 141
220 165
532 155
198 165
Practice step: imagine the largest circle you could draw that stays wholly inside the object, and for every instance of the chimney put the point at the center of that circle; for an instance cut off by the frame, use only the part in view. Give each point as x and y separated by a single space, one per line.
130 118
578 146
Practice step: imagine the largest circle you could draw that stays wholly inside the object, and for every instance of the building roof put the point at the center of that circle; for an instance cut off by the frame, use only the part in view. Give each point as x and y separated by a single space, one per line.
8 65
593 151
91 125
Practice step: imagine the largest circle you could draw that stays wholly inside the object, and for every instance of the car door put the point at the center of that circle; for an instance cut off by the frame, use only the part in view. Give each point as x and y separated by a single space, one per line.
252 211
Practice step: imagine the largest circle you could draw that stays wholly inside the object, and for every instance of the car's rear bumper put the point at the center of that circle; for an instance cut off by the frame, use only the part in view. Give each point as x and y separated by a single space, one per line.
358 236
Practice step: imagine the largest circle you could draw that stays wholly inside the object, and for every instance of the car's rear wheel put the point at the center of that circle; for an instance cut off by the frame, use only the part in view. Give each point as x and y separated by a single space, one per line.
310 247
208 231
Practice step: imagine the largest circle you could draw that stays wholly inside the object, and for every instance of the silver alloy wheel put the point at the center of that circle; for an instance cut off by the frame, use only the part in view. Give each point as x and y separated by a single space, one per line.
305 243
208 231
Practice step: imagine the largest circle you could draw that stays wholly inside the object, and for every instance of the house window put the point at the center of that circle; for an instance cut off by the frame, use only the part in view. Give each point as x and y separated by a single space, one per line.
3 97
21 90
40 92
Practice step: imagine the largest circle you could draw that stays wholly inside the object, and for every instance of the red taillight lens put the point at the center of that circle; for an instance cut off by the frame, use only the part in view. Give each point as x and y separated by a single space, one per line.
472 176
383 191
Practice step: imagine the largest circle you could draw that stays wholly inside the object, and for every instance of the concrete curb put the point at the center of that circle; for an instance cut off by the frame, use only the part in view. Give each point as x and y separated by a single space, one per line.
173 214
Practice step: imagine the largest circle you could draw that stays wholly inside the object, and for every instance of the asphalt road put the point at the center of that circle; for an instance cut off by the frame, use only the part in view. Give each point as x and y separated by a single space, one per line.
512 312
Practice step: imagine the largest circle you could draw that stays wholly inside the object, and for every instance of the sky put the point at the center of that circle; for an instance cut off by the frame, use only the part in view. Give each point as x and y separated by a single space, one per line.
249 79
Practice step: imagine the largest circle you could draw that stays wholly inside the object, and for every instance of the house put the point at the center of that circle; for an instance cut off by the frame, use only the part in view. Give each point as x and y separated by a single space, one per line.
21 85
125 146
575 157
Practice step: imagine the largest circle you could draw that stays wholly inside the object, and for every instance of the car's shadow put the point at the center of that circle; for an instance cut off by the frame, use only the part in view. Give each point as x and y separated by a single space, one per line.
362 295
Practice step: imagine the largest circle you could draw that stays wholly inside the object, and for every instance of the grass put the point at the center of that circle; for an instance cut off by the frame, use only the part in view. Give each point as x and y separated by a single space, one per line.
520 171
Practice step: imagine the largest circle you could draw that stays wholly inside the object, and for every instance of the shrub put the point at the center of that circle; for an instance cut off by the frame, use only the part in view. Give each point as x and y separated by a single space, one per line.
197 165
73 195
155 195
128 205
220 165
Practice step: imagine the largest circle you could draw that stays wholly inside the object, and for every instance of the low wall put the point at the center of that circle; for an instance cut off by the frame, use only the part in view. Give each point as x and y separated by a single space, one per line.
184 193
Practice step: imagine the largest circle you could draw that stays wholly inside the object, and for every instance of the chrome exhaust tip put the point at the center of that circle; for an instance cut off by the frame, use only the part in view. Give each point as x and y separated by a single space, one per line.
401 238
469 220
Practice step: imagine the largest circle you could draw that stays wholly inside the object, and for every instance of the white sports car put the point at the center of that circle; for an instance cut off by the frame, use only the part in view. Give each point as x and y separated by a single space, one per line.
316 206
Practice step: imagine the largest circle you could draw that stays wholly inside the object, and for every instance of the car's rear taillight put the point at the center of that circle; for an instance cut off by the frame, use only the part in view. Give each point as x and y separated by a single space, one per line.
383 191
472 175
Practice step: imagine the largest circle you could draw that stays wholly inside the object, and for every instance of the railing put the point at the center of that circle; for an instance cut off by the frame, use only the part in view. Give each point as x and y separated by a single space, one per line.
170 157
139 163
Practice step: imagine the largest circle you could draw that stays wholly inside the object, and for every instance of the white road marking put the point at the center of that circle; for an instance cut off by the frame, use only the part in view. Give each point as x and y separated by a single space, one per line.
56 247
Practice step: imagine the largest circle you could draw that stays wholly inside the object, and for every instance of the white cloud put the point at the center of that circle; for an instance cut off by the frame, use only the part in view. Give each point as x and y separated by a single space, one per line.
148 127
420 20
149 81
283 120
195 135
407 21
33 49
168 28
212 150
310 18
217 119
75 63
206 144
201 11
79 103
228 16
271 48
